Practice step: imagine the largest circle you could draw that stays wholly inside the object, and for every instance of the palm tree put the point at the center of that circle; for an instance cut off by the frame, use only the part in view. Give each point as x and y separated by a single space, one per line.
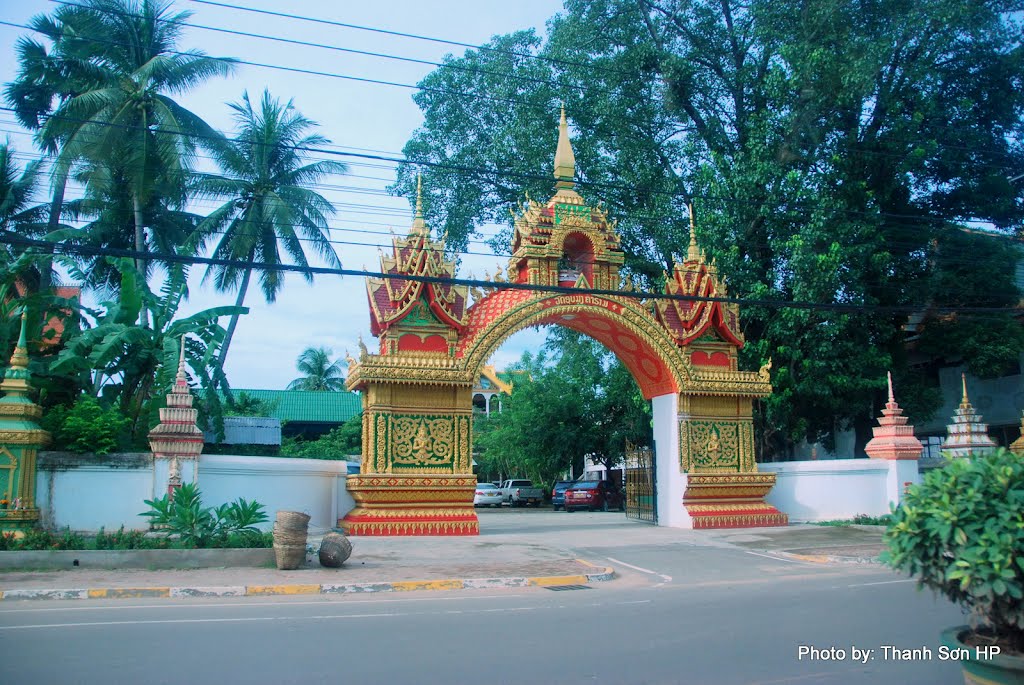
49 78
19 215
321 372
123 116
17 192
269 203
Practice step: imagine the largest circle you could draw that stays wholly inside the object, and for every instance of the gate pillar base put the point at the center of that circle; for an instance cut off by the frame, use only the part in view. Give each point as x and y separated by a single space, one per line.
393 504
731 500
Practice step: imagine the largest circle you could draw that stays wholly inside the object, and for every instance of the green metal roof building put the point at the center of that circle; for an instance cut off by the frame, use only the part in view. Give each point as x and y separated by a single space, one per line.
304 412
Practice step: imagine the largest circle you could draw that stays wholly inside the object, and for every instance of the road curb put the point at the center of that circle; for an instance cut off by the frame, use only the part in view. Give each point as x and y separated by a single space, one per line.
827 558
598 574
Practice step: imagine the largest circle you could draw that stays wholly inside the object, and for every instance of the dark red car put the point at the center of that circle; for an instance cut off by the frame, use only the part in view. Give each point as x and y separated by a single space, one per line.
594 495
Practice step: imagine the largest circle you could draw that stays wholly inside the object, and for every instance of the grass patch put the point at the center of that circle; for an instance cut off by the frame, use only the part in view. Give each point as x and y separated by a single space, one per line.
859 520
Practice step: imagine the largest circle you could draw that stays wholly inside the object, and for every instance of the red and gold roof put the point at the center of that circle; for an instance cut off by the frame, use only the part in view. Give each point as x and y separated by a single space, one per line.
397 300
690 319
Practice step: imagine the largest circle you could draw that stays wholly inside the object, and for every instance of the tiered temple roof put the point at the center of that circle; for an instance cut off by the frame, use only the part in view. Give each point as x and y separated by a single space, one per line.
689 319
397 300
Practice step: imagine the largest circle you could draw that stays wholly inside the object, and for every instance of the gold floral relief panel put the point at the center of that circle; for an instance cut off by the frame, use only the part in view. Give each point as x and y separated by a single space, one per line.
423 441
716 446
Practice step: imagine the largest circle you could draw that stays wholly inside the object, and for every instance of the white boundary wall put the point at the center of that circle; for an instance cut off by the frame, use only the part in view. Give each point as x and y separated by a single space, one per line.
87 492
838 488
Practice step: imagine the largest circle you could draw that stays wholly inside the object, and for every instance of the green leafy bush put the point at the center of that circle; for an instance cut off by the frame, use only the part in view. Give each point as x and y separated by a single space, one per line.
86 427
961 532
199 526
339 443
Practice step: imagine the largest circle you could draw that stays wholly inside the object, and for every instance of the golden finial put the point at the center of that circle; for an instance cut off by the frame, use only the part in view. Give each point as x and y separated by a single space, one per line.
565 160
892 398
963 381
693 253
419 196
419 226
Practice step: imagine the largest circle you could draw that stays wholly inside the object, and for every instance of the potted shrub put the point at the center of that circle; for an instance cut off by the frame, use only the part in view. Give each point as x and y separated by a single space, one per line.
961 532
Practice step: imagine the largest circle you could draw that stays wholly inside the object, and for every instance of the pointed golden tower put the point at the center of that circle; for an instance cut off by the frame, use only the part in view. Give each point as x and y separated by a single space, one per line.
1017 447
968 434
22 438
565 159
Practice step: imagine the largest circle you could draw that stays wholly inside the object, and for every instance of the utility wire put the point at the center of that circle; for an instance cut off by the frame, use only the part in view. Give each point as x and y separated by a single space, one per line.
897 155
477 171
66 248
353 51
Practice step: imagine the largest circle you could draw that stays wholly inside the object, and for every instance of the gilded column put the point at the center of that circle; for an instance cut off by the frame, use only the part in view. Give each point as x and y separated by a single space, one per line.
20 440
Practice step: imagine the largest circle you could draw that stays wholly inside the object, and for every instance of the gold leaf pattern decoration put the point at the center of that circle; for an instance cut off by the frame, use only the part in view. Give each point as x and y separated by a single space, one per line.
422 441
714 445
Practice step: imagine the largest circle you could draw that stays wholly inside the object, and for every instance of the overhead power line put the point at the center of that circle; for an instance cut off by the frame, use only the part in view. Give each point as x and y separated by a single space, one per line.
522 176
86 250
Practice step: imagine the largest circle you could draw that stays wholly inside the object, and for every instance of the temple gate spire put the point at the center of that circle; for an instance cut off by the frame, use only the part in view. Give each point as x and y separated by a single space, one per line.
565 160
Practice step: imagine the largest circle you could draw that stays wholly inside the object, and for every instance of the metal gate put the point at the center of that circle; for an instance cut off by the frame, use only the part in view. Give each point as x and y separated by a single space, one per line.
641 484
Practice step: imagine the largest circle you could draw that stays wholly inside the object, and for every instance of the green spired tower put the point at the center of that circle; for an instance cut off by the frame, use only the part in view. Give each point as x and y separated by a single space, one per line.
20 439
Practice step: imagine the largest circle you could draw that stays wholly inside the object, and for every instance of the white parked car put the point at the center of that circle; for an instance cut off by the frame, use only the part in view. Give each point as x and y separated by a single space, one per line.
487 494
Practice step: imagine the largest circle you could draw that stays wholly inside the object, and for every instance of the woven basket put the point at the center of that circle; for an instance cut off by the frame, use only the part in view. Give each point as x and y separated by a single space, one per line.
334 550
289 557
292 520
289 537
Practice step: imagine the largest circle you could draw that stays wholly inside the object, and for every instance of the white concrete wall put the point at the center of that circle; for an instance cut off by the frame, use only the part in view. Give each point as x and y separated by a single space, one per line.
671 481
73 493
86 492
313 486
838 489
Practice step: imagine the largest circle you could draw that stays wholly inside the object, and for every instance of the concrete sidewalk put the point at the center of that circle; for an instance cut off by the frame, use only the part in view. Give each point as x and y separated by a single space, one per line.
513 557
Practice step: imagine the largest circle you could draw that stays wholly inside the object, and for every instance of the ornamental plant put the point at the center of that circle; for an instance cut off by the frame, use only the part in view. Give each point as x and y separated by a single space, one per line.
961 532
199 526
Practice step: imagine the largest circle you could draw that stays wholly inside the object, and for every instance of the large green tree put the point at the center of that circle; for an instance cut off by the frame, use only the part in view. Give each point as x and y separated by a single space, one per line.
269 204
826 146
124 123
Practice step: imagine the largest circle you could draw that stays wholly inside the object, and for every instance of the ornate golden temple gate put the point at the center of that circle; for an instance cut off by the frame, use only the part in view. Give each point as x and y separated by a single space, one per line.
416 476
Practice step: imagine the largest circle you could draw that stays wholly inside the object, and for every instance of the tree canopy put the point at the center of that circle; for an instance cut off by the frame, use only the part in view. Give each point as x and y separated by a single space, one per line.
571 401
833 152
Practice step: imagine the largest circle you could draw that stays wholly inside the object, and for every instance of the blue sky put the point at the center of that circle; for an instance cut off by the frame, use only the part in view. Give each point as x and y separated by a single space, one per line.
355 116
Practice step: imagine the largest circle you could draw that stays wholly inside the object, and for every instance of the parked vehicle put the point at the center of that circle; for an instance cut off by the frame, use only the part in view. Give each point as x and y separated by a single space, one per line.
594 495
558 493
519 492
487 495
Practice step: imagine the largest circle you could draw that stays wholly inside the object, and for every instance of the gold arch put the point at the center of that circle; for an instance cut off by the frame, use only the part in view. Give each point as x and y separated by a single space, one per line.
530 312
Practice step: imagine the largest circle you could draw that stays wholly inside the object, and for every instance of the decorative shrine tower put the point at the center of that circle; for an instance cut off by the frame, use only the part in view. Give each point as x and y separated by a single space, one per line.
416 475
967 434
176 442
893 438
20 440
1017 446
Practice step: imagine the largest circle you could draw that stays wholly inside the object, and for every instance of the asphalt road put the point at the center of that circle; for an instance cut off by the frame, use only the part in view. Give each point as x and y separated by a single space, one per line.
680 613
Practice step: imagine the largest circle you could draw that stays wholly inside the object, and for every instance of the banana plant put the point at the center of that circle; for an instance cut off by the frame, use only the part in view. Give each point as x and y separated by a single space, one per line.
130 365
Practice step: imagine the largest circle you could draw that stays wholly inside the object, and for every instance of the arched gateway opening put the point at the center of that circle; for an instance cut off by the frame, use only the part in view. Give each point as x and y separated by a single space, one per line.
434 336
